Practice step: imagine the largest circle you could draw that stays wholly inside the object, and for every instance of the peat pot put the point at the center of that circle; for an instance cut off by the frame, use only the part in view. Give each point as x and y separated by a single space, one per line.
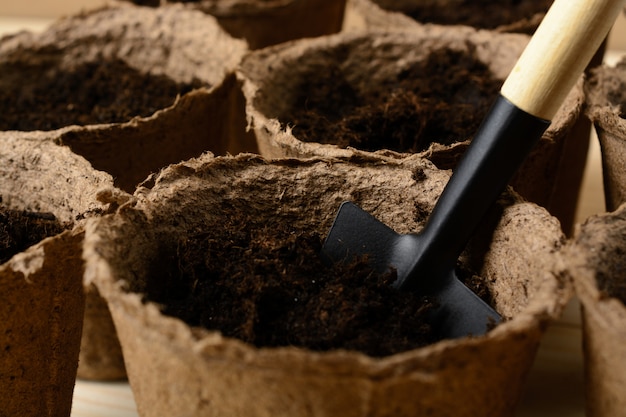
45 193
130 89
224 308
595 260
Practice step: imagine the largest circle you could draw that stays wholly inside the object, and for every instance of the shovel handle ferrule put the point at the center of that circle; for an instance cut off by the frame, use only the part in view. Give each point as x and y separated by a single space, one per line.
560 49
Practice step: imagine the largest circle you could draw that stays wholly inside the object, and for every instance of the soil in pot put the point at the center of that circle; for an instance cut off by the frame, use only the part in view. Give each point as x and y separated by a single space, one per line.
441 99
20 229
484 14
266 285
36 94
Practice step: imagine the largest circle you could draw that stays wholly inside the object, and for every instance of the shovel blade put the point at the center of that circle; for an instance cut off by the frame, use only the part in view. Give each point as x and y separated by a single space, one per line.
356 233
460 312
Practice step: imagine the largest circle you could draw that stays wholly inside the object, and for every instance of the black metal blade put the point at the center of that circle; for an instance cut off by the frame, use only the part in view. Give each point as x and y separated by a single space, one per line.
357 233
461 312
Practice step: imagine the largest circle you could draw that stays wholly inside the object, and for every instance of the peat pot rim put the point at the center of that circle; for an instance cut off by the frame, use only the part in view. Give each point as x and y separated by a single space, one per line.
605 116
53 172
552 296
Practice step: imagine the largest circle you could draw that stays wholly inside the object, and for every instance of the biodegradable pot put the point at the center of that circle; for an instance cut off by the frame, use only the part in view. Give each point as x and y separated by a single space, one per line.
168 50
522 17
268 22
170 45
41 287
175 369
595 260
276 80
606 107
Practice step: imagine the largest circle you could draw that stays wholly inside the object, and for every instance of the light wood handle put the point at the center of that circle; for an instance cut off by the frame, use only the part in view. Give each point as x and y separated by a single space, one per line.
561 48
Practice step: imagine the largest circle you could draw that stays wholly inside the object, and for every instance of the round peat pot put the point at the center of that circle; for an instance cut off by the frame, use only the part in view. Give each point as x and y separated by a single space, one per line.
223 306
131 89
377 91
268 22
605 95
46 189
595 260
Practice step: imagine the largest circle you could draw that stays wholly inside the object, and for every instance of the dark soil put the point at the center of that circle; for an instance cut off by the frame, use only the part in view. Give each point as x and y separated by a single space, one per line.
22 229
266 285
485 14
617 95
35 94
442 99
611 276
149 3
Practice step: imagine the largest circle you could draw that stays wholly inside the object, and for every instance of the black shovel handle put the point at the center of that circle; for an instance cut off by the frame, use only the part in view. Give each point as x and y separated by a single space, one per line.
496 152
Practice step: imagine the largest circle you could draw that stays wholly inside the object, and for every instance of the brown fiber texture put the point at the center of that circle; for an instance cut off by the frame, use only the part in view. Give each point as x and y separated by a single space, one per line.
273 82
605 95
596 262
41 312
268 22
175 369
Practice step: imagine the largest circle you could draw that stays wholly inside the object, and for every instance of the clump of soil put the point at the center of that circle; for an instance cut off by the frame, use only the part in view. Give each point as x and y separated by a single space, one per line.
484 14
22 229
267 285
441 99
36 94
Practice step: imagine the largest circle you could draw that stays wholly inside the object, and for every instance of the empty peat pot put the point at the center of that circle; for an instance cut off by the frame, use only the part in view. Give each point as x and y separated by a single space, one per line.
223 306
595 260
605 96
268 22
131 89
46 190
377 91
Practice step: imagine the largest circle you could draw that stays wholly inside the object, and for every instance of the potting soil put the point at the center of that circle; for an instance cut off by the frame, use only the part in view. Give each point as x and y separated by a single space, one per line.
37 94
441 99
484 14
22 229
266 285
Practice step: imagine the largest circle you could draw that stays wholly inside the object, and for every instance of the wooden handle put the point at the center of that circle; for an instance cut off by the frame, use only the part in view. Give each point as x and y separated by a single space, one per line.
561 48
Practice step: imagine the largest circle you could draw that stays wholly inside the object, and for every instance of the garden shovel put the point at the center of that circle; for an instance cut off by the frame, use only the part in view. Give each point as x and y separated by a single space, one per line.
552 62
